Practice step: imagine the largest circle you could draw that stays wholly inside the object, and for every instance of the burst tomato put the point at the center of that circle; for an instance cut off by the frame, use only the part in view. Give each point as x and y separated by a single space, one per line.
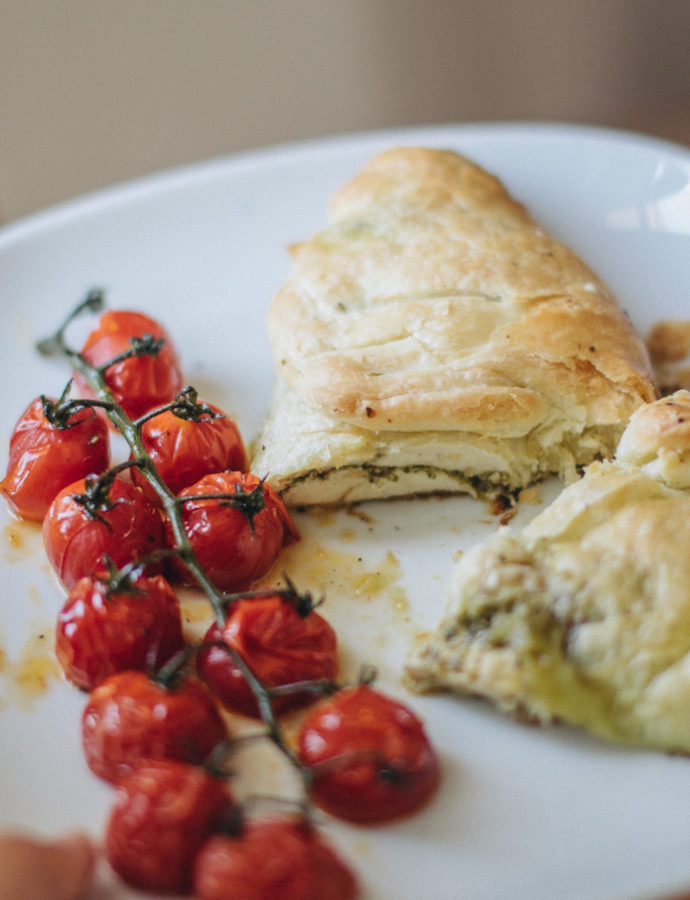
272 858
138 383
106 626
186 444
113 518
238 536
281 642
53 445
163 812
370 757
130 717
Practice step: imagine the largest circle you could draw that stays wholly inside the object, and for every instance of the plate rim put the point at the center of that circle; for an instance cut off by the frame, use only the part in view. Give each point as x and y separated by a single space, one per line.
138 188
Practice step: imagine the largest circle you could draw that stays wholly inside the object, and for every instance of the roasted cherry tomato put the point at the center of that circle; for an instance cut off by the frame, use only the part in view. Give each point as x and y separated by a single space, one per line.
163 812
112 623
140 382
54 443
185 444
95 518
282 640
272 858
238 536
130 717
370 757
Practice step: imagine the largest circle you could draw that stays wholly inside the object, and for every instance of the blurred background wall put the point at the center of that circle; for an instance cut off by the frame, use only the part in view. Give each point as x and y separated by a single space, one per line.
95 92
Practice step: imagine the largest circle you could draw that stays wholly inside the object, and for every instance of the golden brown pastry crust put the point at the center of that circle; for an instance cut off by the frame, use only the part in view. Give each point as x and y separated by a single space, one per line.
584 615
657 440
433 303
669 348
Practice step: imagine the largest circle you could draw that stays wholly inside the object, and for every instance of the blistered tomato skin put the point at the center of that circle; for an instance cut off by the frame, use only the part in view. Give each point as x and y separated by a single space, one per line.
235 549
139 383
370 757
45 458
77 543
130 717
184 450
164 811
100 631
272 859
279 644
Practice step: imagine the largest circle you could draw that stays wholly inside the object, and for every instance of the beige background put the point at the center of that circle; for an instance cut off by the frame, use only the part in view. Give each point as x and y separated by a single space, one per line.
94 92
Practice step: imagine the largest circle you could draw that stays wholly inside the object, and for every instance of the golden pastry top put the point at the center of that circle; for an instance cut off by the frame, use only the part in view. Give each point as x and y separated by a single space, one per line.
657 439
433 301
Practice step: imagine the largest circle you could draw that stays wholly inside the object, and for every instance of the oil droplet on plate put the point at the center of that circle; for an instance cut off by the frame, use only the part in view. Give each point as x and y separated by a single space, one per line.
34 670
21 540
34 674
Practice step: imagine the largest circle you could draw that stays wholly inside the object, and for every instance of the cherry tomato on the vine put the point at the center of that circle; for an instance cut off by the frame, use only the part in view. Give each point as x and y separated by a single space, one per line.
139 383
238 536
370 757
51 447
272 858
280 643
106 626
97 518
131 716
184 446
164 811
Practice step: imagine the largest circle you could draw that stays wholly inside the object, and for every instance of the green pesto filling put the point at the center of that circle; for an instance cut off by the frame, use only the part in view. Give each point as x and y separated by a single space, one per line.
374 474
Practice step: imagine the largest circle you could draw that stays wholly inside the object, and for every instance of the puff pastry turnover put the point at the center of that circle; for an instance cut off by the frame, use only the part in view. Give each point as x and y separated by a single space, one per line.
584 615
434 338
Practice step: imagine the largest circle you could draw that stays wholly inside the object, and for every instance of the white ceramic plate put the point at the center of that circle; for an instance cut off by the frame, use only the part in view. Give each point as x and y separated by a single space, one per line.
523 813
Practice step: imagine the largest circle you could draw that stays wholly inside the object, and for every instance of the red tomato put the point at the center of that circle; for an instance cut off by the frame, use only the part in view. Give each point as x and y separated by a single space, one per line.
371 759
51 448
102 629
163 813
281 645
233 546
139 383
272 858
118 522
130 717
185 448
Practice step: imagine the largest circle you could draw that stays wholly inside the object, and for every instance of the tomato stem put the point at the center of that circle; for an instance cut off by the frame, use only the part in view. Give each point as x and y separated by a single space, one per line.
59 412
302 601
185 406
320 686
120 580
96 497
94 302
249 503
172 673
146 345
